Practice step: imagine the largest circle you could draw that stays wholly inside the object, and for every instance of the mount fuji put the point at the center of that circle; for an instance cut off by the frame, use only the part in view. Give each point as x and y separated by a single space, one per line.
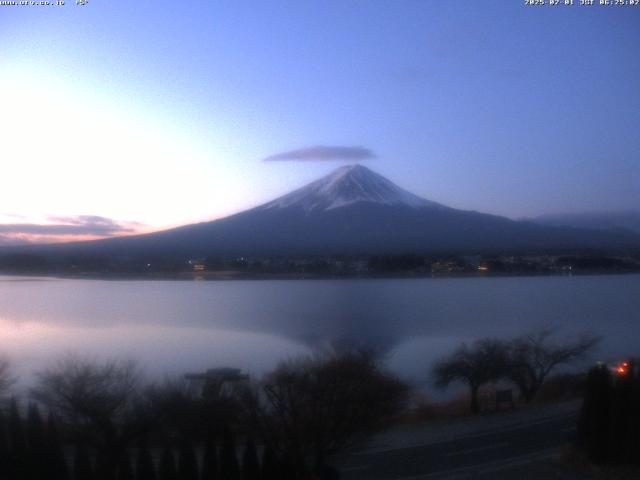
351 211
347 186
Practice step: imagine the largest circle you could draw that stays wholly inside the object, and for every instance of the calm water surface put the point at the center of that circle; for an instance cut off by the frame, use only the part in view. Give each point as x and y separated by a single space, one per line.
176 326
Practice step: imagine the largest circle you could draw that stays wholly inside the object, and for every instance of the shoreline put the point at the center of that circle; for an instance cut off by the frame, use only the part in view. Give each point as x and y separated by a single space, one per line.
244 276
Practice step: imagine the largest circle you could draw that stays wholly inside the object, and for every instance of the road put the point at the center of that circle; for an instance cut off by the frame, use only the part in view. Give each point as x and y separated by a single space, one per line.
485 455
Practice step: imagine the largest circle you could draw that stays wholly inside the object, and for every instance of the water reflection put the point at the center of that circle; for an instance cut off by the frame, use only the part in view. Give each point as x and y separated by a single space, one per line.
160 349
177 325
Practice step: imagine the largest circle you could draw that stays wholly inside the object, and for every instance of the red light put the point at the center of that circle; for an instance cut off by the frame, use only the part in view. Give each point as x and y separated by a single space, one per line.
623 369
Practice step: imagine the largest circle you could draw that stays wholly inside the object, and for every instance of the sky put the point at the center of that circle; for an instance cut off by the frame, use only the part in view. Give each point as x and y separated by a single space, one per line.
121 116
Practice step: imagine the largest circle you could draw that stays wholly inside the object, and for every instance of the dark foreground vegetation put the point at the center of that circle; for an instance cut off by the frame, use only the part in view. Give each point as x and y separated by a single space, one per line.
86 420
525 361
609 426
104 423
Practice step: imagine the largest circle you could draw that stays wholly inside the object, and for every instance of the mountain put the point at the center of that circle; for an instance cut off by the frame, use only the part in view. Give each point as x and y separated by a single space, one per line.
347 186
350 211
629 220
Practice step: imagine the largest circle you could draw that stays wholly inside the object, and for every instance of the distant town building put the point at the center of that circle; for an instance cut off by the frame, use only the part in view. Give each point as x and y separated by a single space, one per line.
198 265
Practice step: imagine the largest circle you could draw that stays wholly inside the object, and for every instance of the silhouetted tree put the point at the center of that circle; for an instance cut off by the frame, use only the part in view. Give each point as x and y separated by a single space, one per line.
313 407
125 472
4 448
250 462
145 469
106 463
609 426
82 468
168 469
176 409
622 432
210 459
634 418
229 469
270 470
594 420
483 362
97 402
37 451
533 356
56 461
292 468
18 461
187 462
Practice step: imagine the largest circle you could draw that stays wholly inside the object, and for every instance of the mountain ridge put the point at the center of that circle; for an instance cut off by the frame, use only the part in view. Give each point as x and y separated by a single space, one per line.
351 211
627 219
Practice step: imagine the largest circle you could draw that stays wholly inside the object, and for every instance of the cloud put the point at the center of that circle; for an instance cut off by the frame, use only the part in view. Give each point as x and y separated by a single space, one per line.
321 154
96 224
64 229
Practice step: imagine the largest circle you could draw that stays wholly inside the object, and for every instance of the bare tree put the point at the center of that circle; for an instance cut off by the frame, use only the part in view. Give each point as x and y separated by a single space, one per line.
97 402
533 356
482 362
177 409
315 406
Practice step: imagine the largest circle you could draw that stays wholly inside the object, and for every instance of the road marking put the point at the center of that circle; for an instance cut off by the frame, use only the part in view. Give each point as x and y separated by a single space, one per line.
478 449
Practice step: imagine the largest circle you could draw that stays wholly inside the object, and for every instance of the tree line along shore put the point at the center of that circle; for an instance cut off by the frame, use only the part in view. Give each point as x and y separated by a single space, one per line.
332 266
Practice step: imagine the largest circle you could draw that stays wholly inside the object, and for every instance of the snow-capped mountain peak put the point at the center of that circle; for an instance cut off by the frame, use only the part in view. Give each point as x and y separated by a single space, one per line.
345 186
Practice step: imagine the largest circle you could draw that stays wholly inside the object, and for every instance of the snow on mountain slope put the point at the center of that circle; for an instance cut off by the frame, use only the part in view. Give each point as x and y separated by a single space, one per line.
345 186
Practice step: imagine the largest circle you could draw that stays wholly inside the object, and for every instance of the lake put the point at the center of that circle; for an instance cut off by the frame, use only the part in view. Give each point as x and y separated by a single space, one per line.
177 326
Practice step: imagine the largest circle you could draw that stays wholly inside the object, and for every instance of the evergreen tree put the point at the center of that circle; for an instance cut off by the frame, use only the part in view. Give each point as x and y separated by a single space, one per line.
270 469
620 426
125 472
4 448
56 461
250 463
625 415
229 469
210 459
82 468
18 449
288 468
594 421
167 466
106 464
145 468
37 451
187 462
634 421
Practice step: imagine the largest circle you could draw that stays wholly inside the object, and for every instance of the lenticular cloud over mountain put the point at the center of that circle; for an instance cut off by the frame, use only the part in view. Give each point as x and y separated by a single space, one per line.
322 153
